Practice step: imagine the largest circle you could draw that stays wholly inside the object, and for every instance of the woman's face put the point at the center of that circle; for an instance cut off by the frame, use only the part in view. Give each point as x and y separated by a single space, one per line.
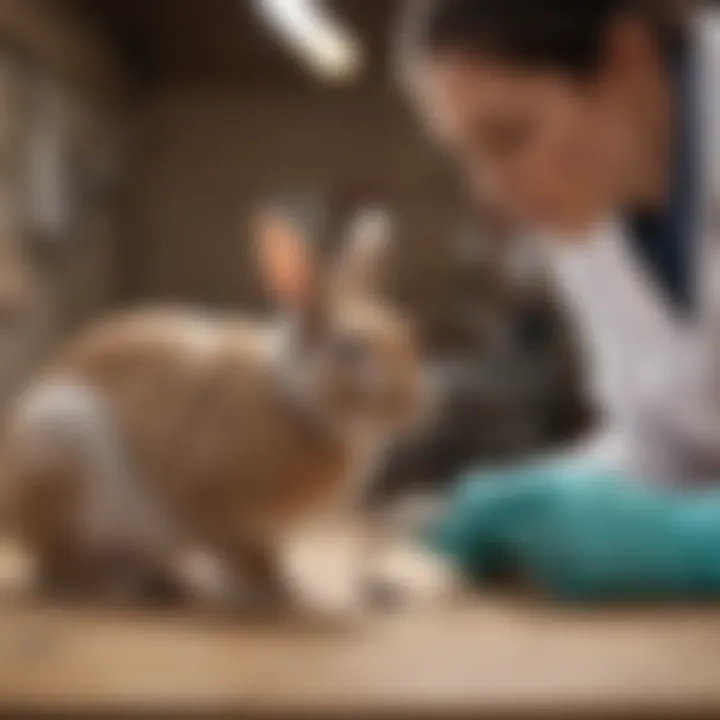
543 148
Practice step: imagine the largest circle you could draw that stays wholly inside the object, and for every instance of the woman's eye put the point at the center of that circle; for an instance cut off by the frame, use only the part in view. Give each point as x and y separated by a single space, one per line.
504 139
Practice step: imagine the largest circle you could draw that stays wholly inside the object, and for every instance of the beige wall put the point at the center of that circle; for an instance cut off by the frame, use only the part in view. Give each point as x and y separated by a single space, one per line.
205 155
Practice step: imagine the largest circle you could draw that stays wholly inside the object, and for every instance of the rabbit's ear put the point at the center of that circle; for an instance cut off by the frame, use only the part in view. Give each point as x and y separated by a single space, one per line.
284 258
366 250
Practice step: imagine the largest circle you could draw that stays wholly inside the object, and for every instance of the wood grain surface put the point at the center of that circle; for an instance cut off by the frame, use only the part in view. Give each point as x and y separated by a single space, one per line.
494 656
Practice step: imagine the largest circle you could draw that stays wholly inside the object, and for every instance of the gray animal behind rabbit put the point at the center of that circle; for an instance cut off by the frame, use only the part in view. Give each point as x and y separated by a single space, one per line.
508 368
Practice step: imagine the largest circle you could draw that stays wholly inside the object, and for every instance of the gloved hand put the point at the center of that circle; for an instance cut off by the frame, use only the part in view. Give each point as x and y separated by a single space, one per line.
583 534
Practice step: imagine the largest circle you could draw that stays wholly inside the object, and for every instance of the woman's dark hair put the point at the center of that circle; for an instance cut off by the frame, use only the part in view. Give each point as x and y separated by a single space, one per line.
564 34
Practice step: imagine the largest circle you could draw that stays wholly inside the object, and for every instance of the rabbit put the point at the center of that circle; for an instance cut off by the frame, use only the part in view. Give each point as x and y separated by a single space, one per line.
167 429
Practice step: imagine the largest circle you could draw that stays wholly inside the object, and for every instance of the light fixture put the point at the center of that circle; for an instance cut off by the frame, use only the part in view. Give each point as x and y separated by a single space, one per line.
316 37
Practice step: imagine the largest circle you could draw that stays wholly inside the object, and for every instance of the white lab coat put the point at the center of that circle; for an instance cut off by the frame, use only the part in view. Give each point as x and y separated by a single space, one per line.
657 379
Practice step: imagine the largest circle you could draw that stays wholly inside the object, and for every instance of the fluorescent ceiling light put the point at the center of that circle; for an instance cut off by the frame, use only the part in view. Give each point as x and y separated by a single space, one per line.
315 36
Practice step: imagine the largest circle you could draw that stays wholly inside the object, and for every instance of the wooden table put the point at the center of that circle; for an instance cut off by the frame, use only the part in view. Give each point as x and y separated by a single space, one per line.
494 656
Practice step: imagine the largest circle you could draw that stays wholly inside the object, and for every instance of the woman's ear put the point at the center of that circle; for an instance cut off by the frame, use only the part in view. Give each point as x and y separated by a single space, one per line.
366 251
284 258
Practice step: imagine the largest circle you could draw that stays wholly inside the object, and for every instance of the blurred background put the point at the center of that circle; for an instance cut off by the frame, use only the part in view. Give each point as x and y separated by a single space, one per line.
137 135
136 139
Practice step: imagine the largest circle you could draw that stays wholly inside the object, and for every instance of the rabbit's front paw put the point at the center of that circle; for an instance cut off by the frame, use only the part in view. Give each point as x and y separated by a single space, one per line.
325 574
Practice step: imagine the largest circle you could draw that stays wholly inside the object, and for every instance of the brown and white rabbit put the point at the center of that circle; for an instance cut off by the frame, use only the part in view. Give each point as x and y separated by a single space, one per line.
163 430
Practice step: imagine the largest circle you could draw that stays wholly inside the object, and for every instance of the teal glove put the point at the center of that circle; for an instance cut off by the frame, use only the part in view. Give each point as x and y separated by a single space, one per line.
584 534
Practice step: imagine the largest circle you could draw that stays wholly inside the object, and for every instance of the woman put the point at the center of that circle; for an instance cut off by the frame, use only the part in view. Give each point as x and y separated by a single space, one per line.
595 124
580 120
